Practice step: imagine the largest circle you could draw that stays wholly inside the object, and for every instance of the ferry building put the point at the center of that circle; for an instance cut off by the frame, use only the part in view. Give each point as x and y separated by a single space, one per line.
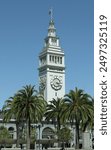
51 74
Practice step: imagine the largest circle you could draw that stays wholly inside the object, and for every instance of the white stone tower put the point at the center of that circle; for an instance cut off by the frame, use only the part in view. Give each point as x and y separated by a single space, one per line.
52 66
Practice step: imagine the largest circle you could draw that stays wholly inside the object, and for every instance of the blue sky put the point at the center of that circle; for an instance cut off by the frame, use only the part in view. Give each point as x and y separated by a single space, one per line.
23 27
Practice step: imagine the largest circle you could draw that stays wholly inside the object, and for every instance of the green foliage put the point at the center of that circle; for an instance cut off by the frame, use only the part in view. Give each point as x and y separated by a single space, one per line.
64 134
4 133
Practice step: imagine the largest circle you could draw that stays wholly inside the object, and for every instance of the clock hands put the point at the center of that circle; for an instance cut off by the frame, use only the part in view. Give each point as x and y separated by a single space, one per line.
56 83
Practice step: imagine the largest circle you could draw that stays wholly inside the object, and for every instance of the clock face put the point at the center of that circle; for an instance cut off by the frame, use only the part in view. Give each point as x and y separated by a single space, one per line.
56 83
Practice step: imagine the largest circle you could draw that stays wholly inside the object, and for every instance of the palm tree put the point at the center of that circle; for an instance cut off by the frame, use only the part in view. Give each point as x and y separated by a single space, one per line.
79 109
30 107
54 111
27 106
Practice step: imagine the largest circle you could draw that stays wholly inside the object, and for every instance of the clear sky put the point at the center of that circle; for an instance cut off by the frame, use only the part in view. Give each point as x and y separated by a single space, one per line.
23 27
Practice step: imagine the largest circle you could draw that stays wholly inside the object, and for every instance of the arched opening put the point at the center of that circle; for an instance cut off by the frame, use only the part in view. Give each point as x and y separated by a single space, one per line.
48 134
11 131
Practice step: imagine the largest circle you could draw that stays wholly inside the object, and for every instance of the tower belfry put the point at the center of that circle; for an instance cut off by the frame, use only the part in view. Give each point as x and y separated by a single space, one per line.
52 65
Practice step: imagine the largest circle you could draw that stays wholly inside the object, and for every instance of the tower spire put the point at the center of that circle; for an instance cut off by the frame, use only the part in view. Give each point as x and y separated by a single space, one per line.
51 39
51 29
51 14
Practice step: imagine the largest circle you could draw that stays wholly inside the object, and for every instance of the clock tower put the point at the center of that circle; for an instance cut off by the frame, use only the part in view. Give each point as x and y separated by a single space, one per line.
52 66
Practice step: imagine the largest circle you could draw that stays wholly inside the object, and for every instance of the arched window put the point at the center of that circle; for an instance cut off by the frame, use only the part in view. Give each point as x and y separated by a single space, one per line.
11 131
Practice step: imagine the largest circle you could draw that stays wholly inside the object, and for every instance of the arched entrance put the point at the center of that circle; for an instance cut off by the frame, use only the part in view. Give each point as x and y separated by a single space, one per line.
48 134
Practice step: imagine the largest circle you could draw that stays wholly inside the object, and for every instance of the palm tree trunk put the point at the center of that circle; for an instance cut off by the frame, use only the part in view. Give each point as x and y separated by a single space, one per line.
58 123
28 135
58 129
77 135
17 128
